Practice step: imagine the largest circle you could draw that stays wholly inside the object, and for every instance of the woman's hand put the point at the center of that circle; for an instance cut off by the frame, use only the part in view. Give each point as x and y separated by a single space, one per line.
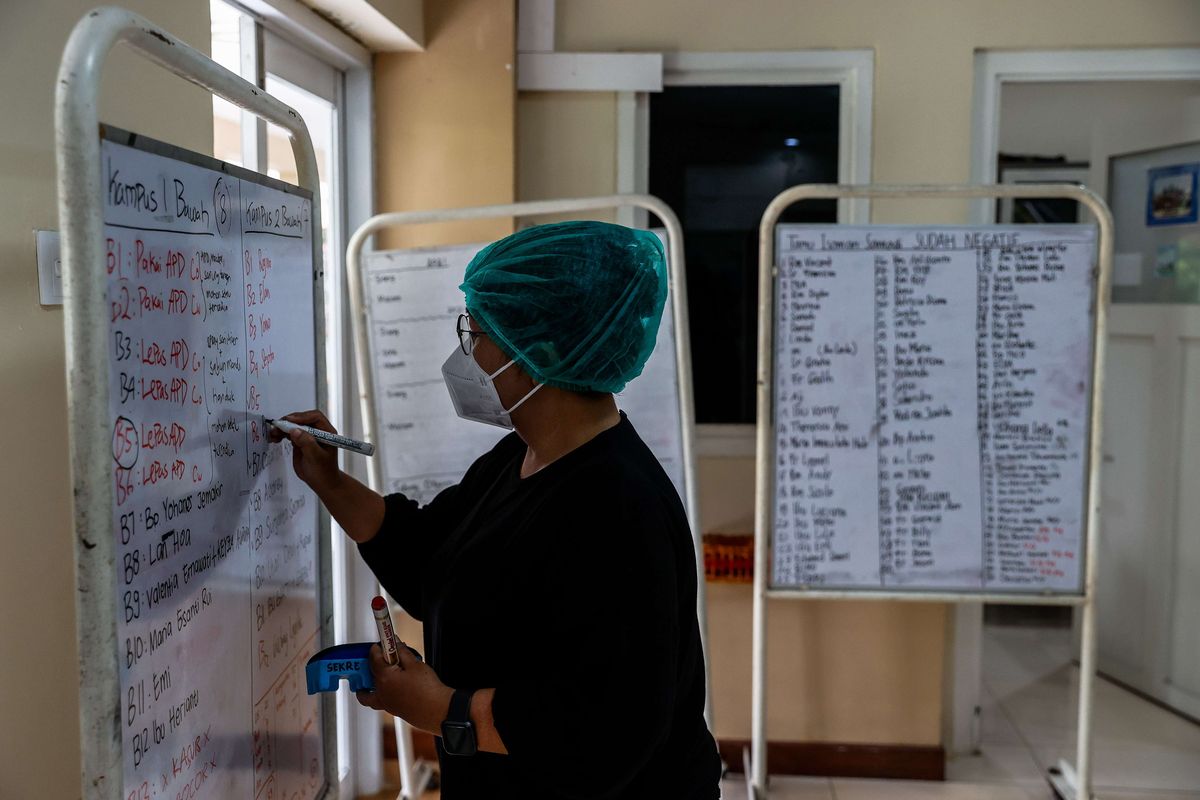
315 463
358 509
410 690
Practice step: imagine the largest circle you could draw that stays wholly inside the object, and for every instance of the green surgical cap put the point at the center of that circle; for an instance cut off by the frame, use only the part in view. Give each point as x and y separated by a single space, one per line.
575 304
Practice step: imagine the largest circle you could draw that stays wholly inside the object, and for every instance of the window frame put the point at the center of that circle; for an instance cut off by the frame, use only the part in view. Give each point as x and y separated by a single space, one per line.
311 44
852 71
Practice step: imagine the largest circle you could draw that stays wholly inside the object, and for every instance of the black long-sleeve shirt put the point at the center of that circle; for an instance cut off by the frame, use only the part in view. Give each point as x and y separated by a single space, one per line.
573 593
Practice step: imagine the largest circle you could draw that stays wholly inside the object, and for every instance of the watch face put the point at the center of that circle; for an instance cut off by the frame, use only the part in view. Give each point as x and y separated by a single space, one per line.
458 738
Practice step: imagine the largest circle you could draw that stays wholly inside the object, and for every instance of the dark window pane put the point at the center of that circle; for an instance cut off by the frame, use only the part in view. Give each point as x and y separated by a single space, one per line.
718 155
1044 211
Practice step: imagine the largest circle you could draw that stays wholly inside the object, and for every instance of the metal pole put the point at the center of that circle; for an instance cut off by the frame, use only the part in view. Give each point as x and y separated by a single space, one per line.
1087 674
81 220
1088 643
765 448
764 452
683 356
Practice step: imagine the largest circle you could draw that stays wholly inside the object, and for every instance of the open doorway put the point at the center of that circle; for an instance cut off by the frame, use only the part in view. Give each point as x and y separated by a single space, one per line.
1094 118
1051 132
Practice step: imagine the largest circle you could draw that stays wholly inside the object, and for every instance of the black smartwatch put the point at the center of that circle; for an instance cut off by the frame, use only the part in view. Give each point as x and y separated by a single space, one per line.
458 734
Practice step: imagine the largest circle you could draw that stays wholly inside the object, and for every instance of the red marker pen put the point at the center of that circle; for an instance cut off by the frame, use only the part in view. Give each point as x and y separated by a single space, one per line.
387 633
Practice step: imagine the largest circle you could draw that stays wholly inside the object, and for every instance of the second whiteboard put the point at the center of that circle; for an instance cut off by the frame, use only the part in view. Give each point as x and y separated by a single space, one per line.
414 301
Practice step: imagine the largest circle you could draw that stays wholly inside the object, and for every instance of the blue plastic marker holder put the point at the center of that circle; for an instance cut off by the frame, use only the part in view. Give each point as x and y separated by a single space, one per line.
327 668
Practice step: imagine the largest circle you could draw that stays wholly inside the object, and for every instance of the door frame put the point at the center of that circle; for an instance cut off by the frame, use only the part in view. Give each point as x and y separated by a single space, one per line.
852 71
314 40
992 70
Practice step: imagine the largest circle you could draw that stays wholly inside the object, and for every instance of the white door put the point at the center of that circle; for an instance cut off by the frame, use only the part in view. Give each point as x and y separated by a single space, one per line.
1148 586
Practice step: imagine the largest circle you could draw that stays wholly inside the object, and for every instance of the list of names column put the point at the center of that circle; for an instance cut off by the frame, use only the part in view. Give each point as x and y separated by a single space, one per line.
210 329
825 419
931 401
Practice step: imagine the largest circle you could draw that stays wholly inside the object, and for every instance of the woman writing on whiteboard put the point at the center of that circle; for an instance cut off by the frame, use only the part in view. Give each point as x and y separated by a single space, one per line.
557 580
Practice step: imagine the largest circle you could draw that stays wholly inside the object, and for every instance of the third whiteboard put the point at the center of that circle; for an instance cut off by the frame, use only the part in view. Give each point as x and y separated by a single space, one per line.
931 406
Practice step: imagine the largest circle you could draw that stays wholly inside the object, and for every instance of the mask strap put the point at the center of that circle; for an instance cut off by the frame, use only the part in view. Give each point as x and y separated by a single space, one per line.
526 397
492 377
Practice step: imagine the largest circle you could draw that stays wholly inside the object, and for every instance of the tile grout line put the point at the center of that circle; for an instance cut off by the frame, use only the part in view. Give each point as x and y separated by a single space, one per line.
1002 705
1165 793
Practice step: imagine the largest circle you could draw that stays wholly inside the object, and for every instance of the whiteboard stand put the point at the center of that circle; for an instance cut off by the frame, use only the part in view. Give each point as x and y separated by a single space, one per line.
1069 782
81 219
410 789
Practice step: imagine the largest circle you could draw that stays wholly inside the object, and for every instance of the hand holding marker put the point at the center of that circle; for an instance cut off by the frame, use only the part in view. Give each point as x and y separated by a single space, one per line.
387 633
325 670
324 437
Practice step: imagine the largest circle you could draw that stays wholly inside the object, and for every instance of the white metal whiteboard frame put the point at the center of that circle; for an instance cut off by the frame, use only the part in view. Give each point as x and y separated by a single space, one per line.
683 353
81 219
1069 782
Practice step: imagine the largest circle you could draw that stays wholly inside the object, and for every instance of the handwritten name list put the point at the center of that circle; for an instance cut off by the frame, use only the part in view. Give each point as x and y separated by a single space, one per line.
211 328
931 398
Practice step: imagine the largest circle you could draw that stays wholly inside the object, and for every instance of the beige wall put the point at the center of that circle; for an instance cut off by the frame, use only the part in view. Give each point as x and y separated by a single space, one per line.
923 58
865 673
445 132
855 672
445 121
548 167
39 711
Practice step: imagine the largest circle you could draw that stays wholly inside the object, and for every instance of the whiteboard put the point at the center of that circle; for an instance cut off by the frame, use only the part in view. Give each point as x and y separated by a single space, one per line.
931 407
211 327
414 301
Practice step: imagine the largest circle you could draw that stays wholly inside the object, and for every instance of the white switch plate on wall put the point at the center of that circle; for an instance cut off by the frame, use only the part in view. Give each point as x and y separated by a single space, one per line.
49 263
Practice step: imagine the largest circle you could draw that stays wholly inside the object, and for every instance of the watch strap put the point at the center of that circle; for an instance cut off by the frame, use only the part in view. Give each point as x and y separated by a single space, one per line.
460 706
458 734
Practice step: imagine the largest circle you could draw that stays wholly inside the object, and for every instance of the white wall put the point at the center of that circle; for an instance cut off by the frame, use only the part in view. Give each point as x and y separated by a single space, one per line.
39 709
1052 119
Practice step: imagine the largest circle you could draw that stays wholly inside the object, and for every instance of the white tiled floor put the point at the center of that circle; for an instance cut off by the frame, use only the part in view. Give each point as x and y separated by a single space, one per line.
1141 751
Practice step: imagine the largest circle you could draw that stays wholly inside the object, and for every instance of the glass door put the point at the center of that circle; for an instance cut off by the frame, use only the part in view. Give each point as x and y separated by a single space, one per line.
320 111
315 90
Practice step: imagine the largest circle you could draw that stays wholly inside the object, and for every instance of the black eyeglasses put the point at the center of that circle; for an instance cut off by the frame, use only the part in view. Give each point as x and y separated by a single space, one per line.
466 336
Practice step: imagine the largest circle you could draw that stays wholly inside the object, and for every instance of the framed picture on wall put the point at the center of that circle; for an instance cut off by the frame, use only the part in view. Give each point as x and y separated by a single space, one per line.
1171 198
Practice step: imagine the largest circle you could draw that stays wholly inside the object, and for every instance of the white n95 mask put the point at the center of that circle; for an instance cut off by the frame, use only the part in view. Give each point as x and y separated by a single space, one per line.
473 393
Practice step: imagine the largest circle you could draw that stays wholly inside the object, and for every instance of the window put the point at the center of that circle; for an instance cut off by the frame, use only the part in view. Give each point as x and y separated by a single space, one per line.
234 47
718 155
1039 210
315 90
